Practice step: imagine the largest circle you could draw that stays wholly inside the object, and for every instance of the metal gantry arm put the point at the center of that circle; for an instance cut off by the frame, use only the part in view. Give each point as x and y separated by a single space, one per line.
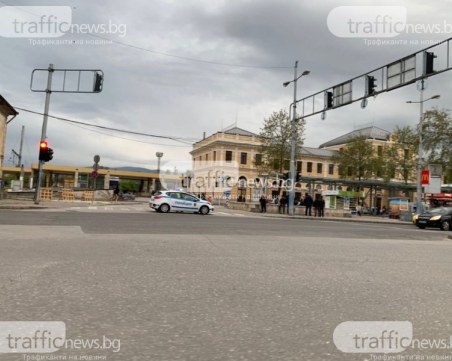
388 77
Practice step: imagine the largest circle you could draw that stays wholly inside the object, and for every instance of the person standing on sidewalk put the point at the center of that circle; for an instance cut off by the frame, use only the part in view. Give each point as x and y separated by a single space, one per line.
308 204
282 204
263 203
321 207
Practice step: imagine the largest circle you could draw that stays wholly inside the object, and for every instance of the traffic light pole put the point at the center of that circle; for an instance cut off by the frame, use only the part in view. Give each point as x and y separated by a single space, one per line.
419 205
44 131
293 134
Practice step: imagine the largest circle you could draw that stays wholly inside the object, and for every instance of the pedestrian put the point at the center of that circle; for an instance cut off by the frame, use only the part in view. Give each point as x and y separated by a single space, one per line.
116 194
282 204
321 207
316 206
263 203
308 201
359 209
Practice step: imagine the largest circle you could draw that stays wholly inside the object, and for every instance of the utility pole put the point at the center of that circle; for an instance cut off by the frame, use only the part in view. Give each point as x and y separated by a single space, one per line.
420 154
293 137
19 155
292 143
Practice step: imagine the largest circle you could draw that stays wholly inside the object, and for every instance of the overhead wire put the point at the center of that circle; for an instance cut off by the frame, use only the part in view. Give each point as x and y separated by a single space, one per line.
199 60
129 139
187 141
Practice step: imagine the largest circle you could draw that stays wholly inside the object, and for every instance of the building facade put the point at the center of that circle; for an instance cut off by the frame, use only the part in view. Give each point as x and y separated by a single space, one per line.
6 110
225 164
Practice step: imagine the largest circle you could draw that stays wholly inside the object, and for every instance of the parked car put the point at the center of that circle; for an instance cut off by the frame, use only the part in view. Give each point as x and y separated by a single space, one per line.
127 196
440 217
177 201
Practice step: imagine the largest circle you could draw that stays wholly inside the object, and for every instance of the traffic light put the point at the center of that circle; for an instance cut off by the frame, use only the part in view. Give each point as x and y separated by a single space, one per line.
428 62
370 85
43 147
98 83
49 155
45 153
329 99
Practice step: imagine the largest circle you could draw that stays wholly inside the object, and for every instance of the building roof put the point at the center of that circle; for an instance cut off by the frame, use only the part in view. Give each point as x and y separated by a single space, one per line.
318 152
8 107
368 133
239 131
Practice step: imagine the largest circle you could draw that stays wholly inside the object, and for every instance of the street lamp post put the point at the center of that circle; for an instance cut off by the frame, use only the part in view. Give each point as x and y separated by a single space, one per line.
159 156
419 205
293 135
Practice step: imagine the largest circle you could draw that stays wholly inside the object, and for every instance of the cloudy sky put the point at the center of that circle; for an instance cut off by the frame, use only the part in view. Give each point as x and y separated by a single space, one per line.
183 67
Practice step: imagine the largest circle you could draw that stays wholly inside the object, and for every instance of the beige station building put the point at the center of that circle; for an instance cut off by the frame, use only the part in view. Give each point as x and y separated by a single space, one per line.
224 165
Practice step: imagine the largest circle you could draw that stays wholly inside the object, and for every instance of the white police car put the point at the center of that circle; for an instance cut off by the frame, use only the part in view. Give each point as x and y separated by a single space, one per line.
177 201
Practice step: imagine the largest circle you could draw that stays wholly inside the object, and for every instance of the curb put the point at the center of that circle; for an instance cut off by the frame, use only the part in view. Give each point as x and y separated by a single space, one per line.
56 205
13 206
339 219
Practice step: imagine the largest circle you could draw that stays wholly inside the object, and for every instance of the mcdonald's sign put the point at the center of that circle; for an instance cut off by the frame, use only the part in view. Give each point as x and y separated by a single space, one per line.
425 177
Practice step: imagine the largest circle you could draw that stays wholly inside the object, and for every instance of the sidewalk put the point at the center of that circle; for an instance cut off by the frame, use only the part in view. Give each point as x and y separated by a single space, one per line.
29 204
357 219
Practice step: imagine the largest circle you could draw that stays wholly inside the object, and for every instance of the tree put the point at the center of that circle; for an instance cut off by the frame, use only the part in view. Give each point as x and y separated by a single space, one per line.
398 159
129 185
275 137
437 140
356 159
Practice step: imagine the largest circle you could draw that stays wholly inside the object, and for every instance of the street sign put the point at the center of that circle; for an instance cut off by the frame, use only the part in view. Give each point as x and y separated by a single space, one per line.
425 177
94 174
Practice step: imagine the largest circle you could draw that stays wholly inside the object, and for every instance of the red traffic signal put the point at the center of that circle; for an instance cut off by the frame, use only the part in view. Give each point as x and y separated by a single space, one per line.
45 153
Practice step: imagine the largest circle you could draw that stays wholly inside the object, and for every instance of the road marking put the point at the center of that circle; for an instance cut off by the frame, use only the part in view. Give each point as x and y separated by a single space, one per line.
227 214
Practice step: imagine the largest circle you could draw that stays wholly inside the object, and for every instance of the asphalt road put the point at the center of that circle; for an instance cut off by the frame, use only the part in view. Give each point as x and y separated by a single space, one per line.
190 287
150 222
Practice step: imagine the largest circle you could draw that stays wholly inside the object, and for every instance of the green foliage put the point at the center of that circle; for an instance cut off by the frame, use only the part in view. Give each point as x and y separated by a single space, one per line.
355 161
275 137
400 157
7 178
129 186
437 140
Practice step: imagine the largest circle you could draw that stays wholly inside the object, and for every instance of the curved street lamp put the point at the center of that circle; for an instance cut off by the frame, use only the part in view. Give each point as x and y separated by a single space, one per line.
419 205
293 135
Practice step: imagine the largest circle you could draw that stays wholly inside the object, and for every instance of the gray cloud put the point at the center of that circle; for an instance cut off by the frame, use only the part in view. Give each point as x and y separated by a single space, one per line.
150 92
